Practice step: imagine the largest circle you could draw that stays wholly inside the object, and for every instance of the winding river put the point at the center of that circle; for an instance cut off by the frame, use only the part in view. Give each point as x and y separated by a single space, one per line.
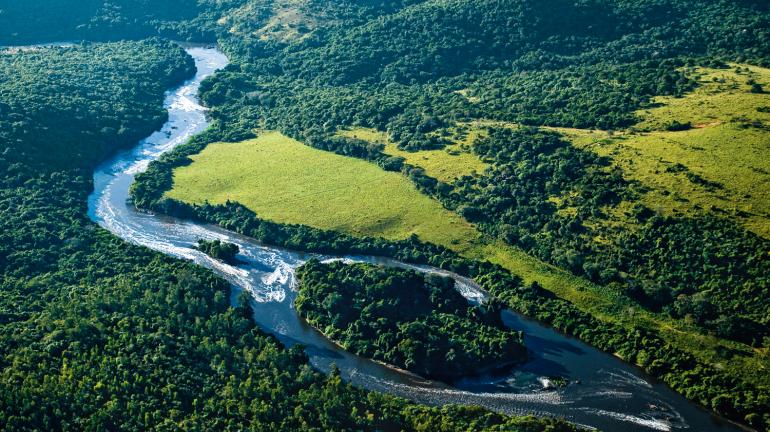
603 393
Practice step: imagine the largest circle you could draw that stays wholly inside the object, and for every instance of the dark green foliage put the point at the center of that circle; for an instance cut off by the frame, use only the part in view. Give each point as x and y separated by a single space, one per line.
57 20
418 322
578 96
219 250
535 173
50 111
720 391
706 268
554 62
675 126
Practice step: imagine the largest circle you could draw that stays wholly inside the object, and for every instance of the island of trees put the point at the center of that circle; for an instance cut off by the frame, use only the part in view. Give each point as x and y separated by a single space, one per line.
220 250
412 320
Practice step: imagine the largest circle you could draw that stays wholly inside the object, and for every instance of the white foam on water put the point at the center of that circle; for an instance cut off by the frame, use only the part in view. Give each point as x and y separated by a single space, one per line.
628 378
656 424
610 394
280 276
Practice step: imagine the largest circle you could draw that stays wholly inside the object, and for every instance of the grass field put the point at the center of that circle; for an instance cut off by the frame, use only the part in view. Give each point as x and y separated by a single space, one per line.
446 165
281 179
721 165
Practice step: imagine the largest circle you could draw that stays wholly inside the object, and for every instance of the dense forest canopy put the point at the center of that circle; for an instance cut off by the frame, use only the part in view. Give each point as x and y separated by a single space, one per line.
567 57
417 322
58 20
50 110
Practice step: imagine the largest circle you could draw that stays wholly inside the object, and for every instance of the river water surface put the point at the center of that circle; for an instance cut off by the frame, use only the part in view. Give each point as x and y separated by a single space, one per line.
603 392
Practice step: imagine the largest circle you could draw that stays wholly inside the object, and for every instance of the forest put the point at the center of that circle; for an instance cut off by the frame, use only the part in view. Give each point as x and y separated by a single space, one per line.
98 334
513 201
417 322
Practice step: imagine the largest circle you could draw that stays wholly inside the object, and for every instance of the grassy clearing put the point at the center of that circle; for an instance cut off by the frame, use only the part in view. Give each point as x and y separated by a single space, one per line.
721 165
446 165
285 181
289 21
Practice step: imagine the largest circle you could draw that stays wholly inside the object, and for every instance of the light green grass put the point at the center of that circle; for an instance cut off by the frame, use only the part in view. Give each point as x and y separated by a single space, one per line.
728 144
721 147
281 179
446 165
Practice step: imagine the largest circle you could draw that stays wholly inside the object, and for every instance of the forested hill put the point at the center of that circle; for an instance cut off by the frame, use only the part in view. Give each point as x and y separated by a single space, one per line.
426 64
56 20
457 36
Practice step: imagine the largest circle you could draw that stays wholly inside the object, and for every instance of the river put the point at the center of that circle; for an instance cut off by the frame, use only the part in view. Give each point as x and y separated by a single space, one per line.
603 393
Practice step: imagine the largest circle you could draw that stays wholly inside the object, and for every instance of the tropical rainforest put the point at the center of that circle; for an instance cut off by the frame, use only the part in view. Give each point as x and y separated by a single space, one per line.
99 334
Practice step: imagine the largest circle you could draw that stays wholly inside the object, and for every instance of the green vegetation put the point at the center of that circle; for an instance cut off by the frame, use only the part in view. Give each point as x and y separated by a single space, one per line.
285 181
42 117
59 20
220 250
590 64
414 321
719 167
552 199
445 165
659 233
312 89
710 371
